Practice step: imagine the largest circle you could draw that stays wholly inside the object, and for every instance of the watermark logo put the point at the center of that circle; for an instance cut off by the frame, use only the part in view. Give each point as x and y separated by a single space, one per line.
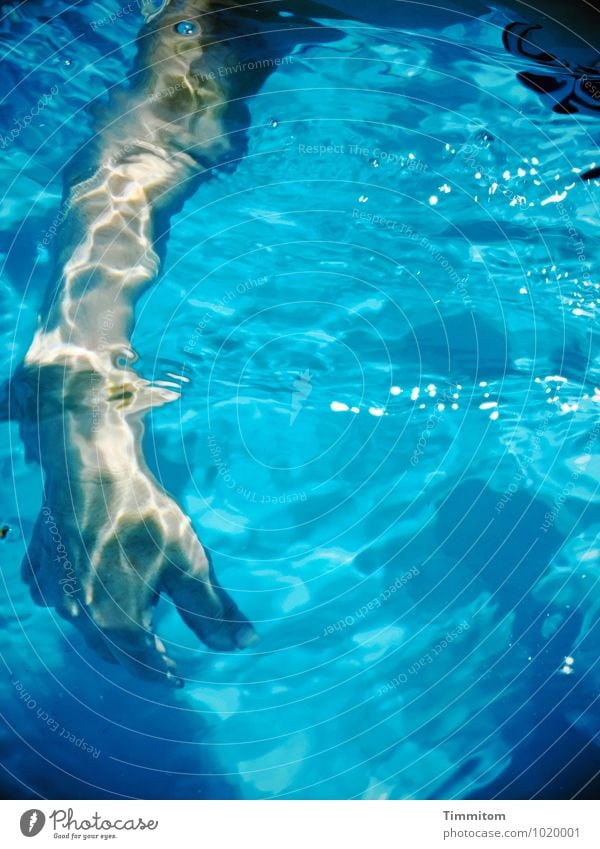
32 822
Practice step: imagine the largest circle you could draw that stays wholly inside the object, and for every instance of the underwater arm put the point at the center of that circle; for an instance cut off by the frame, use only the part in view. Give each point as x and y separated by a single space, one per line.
122 540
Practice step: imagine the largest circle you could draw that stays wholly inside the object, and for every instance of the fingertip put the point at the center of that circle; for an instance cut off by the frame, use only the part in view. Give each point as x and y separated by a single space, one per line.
246 637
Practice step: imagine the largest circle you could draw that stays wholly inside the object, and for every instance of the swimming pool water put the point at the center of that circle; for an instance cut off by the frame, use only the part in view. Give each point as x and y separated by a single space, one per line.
383 327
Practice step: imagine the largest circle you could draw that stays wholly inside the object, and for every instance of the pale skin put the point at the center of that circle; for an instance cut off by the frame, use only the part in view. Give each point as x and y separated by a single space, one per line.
80 401
82 405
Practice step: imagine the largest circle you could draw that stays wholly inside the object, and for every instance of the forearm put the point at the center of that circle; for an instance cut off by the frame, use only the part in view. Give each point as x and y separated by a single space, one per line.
167 128
82 400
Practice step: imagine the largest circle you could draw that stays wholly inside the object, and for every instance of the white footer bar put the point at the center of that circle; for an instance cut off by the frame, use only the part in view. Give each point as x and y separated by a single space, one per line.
301 825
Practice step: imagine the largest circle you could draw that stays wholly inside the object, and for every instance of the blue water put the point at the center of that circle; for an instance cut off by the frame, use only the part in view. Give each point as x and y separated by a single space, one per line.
387 434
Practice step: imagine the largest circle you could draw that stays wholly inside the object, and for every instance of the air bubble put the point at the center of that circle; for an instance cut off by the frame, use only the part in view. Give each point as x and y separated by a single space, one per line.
186 28
9 532
123 358
484 138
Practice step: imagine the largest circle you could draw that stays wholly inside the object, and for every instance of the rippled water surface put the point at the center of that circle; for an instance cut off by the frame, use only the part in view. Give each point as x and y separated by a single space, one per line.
387 434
